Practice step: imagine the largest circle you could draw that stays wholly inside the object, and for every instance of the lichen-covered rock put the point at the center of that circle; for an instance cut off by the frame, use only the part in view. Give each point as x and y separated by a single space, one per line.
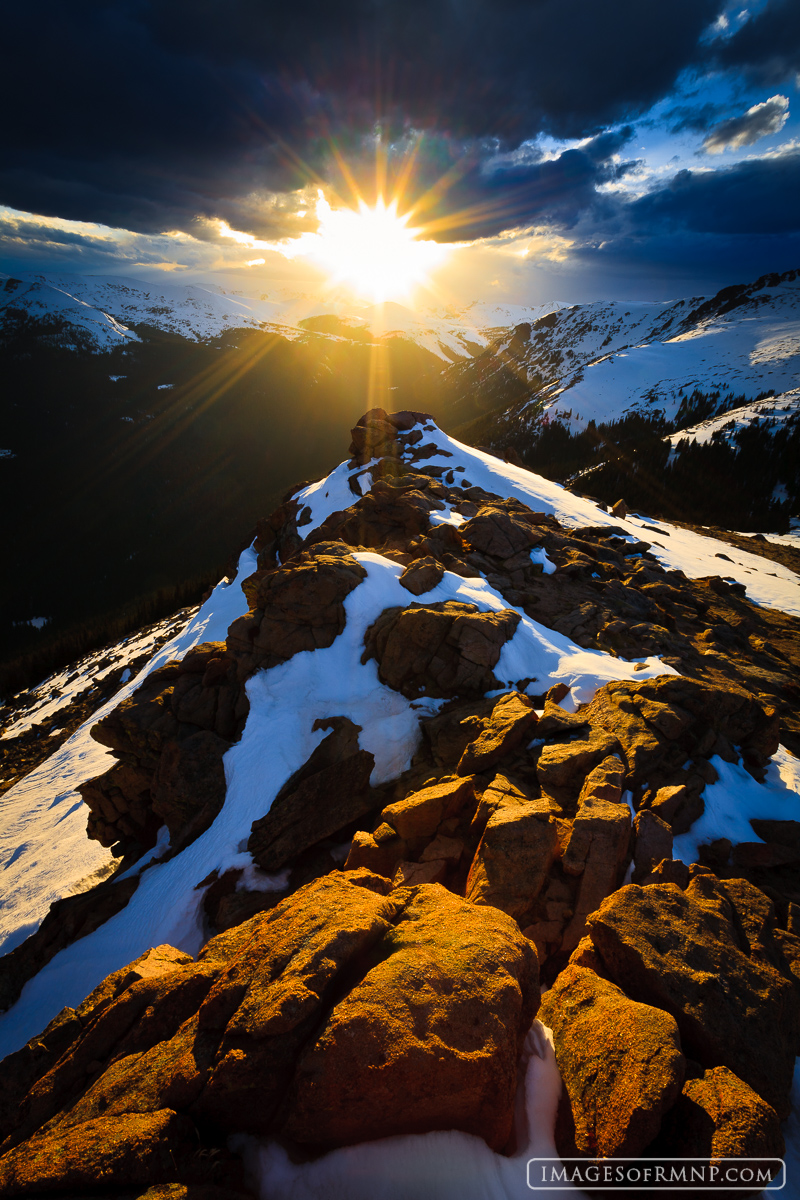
131 1149
597 851
621 1064
447 992
517 849
430 1038
719 1116
561 764
421 813
701 955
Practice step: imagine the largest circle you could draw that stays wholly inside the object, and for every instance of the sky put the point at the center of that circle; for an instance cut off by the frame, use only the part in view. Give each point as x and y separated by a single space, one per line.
542 149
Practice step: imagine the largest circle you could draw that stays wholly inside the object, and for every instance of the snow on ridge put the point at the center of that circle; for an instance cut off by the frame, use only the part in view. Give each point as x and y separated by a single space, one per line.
767 583
44 850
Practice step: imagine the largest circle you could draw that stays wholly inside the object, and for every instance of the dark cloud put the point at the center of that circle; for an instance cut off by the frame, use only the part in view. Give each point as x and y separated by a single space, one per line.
150 113
767 47
695 119
758 196
759 121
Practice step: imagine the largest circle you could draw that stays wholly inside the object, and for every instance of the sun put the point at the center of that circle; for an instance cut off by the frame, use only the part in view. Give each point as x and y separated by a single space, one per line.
372 250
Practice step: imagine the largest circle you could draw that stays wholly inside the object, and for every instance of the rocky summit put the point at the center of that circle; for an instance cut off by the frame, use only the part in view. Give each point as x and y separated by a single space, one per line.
468 809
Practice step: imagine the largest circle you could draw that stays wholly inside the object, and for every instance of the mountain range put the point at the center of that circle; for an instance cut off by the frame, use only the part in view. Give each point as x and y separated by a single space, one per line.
147 425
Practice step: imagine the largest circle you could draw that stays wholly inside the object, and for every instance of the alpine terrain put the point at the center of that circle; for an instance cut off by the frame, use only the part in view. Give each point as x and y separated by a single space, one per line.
458 826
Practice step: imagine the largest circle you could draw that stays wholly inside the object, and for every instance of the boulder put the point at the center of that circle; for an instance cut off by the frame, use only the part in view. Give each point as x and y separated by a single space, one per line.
443 649
556 721
719 1116
495 530
652 843
429 1038
300 607
421 813
620 1062
561 764
500 793
605 782
131 1149
686 952
409 874
422 575
511 723
516 851
597 851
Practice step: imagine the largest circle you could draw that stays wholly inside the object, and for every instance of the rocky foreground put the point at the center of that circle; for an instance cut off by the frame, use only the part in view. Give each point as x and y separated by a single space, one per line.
385 983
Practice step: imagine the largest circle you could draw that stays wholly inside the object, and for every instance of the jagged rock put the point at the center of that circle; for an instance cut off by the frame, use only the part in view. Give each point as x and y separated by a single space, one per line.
133 1149
664 721
324 796
686 952
597 851
409 874
511 722
376 434
300 607
500 793
422 575
561 764
388 517
439 649
421 813
678 805
719 1116
653 843
380 857
516 851
556 721
188 787
620 1062
430 1038
619 510
605 782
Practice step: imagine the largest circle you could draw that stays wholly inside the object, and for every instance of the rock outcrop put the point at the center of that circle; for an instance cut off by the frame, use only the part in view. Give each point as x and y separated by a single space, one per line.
393 996
295 1021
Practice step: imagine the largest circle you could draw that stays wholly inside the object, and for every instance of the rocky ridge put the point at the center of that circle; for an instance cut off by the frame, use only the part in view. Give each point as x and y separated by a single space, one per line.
404 977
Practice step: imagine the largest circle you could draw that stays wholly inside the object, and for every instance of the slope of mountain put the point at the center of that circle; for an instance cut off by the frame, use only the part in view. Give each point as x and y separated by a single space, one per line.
328 859
775 413
600 362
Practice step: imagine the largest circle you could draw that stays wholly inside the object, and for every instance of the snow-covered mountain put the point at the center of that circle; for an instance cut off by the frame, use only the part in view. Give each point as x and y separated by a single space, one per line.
598 362
103 308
